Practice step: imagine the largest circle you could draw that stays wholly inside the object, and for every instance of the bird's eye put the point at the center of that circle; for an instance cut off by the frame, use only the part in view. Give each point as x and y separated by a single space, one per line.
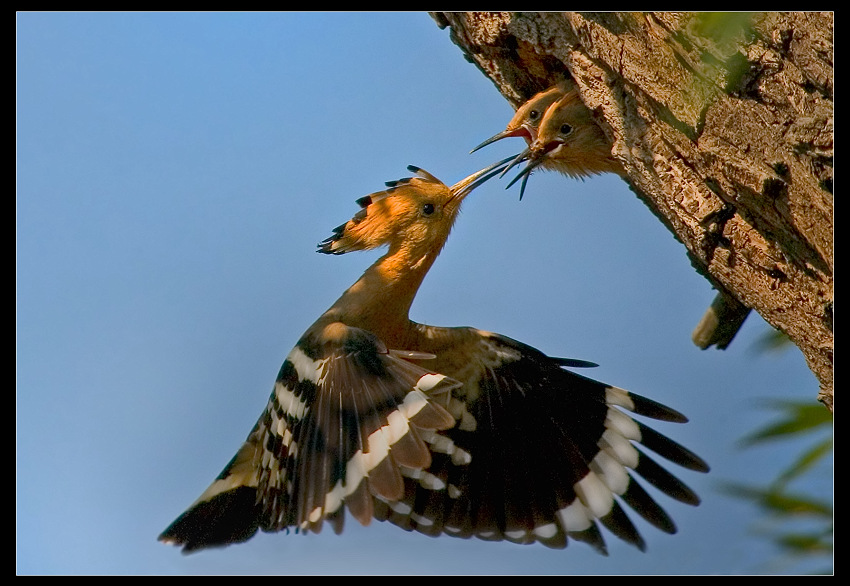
428 209
533 115
566 129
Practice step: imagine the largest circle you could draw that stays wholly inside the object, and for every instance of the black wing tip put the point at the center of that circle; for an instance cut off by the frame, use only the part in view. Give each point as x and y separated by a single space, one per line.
665 481
592 536
189 547
644 505
574 363
229 517
618 523
655 410
671 450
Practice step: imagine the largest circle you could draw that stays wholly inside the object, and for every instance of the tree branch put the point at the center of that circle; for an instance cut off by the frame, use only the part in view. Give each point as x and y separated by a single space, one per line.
723 123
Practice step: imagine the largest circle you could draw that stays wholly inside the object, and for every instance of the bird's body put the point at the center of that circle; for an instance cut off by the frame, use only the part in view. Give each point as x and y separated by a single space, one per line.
441 430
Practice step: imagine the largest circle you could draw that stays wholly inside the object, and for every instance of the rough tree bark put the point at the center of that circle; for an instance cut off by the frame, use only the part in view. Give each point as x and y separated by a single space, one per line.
724 123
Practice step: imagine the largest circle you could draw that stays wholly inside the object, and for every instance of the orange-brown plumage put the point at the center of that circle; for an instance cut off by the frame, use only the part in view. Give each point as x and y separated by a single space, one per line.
569 140
441 430
561 135
527 118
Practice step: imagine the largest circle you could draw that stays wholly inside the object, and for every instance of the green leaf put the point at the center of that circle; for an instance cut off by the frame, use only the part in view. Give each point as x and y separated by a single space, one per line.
806 544
808 459
772 341
781 503
722 27
799 417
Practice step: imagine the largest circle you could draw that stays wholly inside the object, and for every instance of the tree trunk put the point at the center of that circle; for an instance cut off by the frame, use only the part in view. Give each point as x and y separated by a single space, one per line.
723 123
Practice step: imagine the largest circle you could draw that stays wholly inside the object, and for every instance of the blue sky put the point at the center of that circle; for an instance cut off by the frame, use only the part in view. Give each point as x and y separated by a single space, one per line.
174 175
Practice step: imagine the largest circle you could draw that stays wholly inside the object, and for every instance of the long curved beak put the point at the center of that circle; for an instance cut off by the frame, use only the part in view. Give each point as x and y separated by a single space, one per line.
465 186
535 155
507 133
525 174
517 160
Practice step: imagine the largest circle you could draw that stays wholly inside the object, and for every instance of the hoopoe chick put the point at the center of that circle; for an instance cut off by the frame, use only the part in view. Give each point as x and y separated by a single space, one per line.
528 116
568 141
441 430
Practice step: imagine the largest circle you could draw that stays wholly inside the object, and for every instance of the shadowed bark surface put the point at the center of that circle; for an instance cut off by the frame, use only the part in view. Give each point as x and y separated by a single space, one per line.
724 124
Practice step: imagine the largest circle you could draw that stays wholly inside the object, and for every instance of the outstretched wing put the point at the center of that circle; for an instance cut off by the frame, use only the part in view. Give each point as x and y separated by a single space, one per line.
551 454
343 422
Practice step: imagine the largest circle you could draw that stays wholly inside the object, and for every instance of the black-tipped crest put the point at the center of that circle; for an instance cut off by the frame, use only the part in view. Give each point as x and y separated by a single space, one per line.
422 173
397 182
343 240
326 245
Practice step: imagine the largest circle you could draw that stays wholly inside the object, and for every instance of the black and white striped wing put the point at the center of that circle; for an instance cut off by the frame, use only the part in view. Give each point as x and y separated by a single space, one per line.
342 423
552 456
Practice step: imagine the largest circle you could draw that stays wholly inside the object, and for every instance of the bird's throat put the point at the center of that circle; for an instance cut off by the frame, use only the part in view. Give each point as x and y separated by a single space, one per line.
380 300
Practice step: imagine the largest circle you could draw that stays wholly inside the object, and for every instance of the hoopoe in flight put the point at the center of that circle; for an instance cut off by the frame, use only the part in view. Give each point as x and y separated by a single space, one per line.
440 430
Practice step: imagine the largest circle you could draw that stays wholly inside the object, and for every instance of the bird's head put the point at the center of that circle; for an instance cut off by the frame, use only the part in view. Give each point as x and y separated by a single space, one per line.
528 116
569 136
568 141
414 212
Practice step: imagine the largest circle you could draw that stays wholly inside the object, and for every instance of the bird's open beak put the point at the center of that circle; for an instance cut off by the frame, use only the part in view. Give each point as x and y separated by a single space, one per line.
526 154
535 154
521 131
525 174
